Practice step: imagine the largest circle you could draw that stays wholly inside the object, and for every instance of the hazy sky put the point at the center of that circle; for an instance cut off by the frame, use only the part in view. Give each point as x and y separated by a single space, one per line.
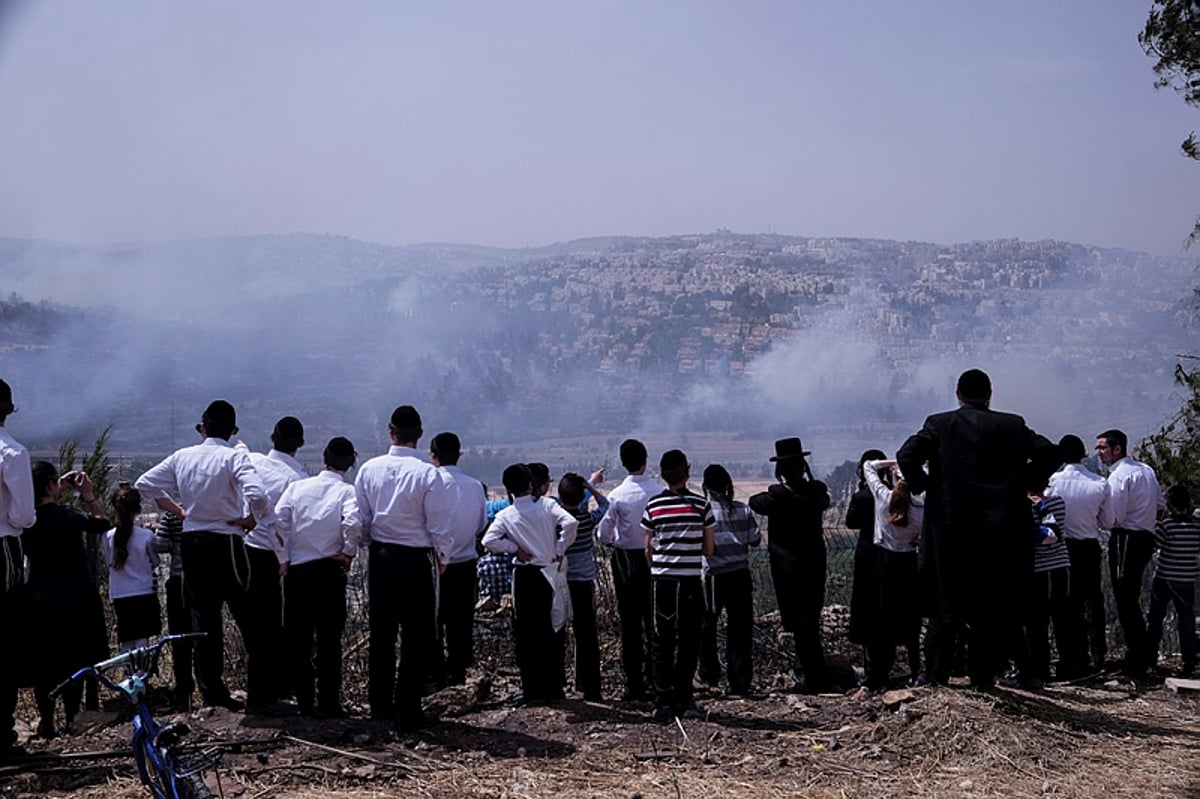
521 123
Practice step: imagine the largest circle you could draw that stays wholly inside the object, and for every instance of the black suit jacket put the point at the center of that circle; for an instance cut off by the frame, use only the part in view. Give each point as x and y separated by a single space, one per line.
977 539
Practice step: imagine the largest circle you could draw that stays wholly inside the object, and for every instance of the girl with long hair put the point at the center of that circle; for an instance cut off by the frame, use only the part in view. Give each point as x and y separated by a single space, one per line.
898 519
129 551
728 585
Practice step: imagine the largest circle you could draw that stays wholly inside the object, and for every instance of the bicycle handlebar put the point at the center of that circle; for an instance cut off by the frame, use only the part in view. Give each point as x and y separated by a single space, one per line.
132 656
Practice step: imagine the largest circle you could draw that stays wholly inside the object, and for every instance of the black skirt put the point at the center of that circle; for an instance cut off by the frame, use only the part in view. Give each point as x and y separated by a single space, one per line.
137 617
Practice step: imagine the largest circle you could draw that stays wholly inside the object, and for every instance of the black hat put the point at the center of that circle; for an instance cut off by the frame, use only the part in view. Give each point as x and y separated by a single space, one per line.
219 414
289 428
405 417
673 459
788 448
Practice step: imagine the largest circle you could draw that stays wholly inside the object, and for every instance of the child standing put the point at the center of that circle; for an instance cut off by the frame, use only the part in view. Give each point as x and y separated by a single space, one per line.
728 585
129 552
1175 576
573 492
320 526
538 534
679 527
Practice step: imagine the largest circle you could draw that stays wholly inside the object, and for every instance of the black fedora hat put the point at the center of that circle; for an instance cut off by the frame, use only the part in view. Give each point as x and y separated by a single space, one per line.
788 448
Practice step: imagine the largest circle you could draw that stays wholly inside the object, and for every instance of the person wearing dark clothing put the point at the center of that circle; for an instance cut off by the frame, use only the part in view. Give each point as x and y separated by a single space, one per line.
573 491
167 538
795 511
66 611
17 513
860 518
977 540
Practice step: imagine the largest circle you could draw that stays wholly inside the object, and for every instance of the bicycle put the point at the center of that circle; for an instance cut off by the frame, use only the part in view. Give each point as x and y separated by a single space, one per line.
156 749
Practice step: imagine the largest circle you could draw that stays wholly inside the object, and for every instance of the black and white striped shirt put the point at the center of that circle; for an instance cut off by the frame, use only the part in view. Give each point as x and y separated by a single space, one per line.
1179 549
677 520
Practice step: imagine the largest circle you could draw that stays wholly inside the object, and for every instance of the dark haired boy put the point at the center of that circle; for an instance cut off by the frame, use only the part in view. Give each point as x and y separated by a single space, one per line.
1175 576
319 527
459 582
573 491
621 528
538 534
679 527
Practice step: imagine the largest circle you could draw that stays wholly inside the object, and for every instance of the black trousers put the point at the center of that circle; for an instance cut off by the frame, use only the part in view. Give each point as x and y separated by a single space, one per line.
12 577
799 578
678 613
1129 553
631 583
732 592
1051 601
458 590
215 574
315 609
179 620
1182 595
402 600
265 646
893 586
540 648
1087 595
587 640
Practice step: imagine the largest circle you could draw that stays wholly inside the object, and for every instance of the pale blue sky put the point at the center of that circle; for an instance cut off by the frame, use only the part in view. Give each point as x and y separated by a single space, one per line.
522 123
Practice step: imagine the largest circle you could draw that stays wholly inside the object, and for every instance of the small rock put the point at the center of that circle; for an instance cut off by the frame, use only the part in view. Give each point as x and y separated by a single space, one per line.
521 751
1045 786
893 698
967 785
364 772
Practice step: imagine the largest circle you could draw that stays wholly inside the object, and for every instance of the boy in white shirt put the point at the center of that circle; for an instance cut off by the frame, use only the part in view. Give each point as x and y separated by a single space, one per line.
319 524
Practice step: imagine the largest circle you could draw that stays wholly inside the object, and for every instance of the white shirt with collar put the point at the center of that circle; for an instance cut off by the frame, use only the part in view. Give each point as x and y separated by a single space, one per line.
215 482
403 501
621 525
1136 496
277 470
1086 495
540 527
468 512
17 508
318 517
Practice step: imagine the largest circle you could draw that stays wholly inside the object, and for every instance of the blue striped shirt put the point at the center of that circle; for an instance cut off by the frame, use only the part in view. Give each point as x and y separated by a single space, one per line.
736 532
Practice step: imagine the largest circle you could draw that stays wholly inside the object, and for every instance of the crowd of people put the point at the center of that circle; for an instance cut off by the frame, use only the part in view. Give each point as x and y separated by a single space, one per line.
980 531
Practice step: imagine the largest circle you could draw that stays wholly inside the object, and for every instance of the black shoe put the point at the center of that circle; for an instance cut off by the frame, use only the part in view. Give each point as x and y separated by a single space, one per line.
592 696
663 715
332 712
633 695
46 730
274 708
410 724
227 702
689 710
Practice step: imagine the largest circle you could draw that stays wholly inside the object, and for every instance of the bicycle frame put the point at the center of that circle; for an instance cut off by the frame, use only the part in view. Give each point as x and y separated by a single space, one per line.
153 745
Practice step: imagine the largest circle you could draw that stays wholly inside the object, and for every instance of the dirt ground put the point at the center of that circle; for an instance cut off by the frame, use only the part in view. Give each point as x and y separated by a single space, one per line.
1112 738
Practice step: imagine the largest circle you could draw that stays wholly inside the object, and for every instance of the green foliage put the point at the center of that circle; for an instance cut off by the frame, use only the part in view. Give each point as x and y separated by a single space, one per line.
97 463
1174 451
1172 38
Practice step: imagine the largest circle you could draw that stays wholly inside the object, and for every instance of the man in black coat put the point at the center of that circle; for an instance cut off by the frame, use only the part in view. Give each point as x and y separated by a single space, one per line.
978 536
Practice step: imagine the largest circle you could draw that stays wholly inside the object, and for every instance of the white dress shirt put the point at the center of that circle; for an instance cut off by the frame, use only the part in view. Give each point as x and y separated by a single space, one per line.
1085 494
468 512
621 525
887 535
540 527
403 501
318 517
215 481
17 509
136 576
1136 496
277 470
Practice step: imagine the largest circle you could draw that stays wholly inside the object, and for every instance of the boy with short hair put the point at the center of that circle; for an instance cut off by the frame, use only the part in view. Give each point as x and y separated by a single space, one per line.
679 526
573 491
1178 537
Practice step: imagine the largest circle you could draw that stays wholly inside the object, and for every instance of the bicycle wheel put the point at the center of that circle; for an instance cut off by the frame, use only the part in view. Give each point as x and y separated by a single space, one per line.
192 786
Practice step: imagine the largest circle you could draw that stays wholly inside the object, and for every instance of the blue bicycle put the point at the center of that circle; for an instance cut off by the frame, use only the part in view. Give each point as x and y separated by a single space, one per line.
156 749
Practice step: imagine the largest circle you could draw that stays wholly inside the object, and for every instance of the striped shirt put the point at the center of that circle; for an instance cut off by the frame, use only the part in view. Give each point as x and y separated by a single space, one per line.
677 521
1050 513
1179 549
581 555
736 532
